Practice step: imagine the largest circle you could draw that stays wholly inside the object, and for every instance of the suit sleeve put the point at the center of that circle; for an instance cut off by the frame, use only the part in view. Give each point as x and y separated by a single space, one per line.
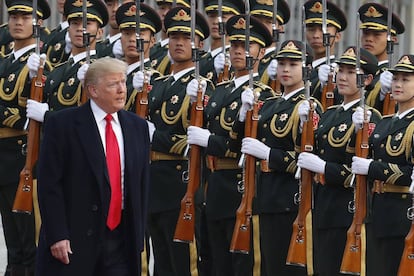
50 183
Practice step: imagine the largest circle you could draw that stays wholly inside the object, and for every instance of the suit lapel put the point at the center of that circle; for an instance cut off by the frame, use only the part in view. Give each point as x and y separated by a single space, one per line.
91 143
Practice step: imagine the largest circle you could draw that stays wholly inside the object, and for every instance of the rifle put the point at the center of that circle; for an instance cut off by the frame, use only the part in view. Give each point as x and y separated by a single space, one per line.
86 43
23 201
389 103
407 259
301 239
240 242
354 253
141 101
327 97
184 230
275 84
225 74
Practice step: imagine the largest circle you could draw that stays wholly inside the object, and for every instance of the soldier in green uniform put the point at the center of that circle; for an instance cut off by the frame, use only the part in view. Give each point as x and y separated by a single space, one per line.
388 169
373 18
111 46
63 88
7 41
212 63
150 24
169 118
222 194
331 161
274 147
19 229
57 47
336 23
160 59
263 10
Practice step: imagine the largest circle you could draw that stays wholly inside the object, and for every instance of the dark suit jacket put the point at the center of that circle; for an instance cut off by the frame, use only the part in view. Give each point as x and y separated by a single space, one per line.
74 189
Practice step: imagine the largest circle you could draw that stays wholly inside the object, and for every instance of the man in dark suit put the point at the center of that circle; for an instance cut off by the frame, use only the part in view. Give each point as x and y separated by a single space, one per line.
82 232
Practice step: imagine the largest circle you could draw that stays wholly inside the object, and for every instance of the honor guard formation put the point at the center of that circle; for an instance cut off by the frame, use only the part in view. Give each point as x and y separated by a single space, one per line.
200 136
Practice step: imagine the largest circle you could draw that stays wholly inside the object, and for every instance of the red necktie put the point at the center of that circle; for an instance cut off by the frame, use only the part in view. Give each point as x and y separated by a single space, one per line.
113 163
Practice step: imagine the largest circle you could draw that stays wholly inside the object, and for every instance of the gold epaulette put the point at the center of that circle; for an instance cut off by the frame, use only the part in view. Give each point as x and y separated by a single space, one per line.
162 77
333 106
261 85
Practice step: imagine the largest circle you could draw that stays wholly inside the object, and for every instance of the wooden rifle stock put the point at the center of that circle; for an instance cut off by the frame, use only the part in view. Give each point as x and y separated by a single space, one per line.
327 98
354 247
224 75
84 97
388 105
184 230
407 259
240 242
301 234
23 202
141 101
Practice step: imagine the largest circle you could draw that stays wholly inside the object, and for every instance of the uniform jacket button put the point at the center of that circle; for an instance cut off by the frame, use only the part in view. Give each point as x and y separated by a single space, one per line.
89 232
94 207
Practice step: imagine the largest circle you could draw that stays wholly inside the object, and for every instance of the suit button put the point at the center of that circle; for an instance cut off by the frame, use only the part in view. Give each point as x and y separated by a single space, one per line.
94 207
89 232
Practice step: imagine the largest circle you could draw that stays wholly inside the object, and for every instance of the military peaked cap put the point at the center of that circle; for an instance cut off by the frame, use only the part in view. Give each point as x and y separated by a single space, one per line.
335 16
26 6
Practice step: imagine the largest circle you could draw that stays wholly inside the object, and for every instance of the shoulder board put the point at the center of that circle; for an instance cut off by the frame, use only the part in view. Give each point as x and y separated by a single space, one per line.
224 82
388 116
333 106
205 54
60 64
162 77
273 98
3 25
261 85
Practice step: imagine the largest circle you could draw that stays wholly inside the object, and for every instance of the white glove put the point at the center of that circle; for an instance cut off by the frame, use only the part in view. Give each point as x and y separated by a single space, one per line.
272 69
324 70
360 165
312 162
138 81
68 43
198 136
247 98
255 148
386 82
192 88
34 63
219 62
303 111
358 117
36 110
82 72
151 130
117 49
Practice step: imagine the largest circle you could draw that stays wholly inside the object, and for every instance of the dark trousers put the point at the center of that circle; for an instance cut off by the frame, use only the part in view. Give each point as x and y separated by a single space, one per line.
388 255
226 263
275 234
19 231
113 259
329 245
170 258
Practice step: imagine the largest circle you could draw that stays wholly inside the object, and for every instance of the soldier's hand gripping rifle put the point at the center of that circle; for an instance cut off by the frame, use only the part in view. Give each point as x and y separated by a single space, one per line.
184 230
389 103
225 74
23 202
240 242
327 97
86 43
354 252
301 239
407 259
141 100
275 83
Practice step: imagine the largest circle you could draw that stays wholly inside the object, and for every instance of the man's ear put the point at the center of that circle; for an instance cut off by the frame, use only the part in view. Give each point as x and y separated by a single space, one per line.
368 79
394 39
338 37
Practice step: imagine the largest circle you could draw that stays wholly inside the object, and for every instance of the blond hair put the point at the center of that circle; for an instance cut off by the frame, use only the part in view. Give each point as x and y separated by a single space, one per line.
104 66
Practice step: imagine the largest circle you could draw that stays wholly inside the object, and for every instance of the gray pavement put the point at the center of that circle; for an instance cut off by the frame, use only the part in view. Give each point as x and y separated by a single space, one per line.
3 252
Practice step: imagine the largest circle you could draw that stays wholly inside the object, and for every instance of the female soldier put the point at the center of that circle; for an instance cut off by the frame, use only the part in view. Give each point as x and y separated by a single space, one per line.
335 146
275 146
222 195
389 171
